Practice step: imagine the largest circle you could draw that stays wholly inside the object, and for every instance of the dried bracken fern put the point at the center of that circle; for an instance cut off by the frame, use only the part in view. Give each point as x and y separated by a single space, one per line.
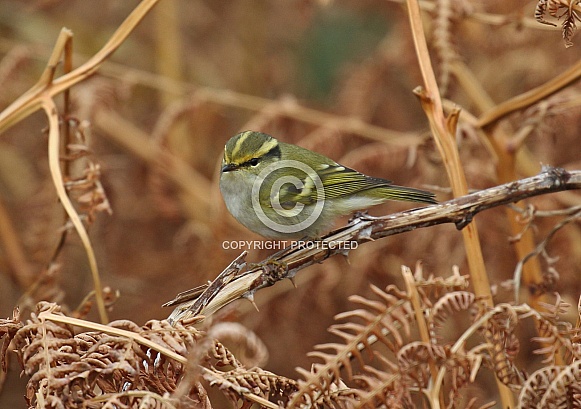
125 365
439 285
570 10
499 333
450 304
536 386
563 391
8 329
400 369
68 370
447 13
251 350
386 329
380 387
384 320
116 367
258 381
86 187
496 53
556 335
411 362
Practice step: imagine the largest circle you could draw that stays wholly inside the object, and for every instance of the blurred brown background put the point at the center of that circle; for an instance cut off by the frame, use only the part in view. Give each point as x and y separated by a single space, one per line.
193 74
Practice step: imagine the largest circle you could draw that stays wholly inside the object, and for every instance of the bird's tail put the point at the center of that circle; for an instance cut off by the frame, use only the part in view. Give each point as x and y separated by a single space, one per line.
409 194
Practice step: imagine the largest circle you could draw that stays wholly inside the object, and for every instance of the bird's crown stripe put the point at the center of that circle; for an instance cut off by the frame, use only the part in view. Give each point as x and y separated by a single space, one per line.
266 147
241 139
245 143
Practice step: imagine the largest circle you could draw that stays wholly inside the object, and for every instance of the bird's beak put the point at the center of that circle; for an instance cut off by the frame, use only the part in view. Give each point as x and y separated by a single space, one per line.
229 167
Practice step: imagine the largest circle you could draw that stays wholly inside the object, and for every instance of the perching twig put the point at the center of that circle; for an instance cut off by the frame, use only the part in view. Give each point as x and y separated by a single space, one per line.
234 283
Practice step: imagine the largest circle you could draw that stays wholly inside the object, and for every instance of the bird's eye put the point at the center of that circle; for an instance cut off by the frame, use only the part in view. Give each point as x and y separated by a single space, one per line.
253 162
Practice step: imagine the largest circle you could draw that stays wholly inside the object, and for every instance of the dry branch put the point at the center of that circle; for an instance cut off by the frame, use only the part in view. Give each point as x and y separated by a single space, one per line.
234 283
40 96
526 99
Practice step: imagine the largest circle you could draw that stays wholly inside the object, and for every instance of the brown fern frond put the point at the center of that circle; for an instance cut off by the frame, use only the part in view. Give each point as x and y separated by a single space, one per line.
395 385
68 370
223 356
553 311
262 383
462 370
381 388
137 399
552 7
447 13
86 186
43 349
251 351
8 327
336 351
541 10
340 397
499 333
555 333
536 386
383 321
331 389
413 360
560 392
451 303
381 318
438 285
443 42
569 27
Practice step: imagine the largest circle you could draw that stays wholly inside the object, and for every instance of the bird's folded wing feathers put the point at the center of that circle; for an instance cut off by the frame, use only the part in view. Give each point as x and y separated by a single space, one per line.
337 181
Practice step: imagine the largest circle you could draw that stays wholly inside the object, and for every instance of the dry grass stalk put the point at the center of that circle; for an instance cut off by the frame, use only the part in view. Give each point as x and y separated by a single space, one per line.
385 343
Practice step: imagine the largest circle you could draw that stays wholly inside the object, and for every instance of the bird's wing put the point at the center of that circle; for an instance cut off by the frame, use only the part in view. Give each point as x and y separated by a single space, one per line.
335 181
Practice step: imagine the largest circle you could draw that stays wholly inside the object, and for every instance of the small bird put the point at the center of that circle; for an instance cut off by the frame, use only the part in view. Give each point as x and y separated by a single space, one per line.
283 191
